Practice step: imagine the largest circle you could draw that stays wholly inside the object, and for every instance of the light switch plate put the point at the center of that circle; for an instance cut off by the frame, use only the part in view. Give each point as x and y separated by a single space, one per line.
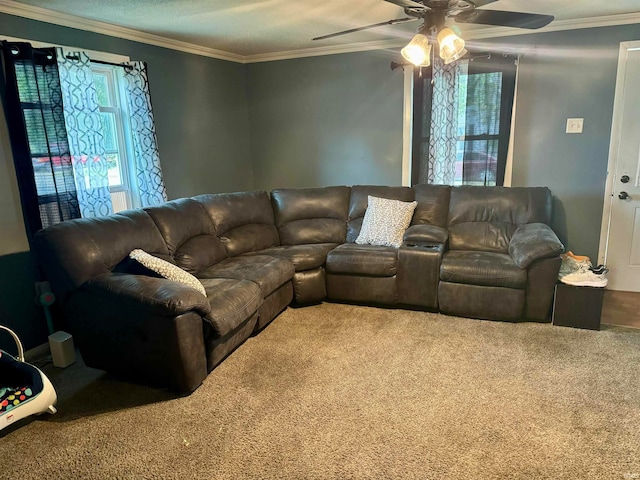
574 125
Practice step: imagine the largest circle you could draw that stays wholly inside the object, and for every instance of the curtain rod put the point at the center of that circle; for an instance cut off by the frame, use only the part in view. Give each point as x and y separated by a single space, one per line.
126 67
37 50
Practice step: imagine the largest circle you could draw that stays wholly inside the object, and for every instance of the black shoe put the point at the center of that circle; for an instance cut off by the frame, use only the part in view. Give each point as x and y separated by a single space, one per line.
599 270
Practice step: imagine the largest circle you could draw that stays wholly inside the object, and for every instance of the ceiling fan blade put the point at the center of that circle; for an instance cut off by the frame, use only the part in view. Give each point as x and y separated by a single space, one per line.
481 3
406 3
366 27
505 19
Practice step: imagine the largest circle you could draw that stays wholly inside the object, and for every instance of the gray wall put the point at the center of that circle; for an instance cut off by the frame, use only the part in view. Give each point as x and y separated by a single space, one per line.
568 74
202 122
331 120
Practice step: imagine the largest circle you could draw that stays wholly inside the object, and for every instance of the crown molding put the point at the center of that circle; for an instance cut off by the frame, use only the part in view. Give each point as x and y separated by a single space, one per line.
63 19
12 7
319 51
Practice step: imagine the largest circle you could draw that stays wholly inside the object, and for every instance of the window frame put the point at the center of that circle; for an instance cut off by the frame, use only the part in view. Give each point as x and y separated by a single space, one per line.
422 91
115 84
115 108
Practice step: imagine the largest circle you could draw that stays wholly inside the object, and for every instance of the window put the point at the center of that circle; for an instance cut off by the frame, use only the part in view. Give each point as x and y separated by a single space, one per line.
478 129
115 129
462 121
75 149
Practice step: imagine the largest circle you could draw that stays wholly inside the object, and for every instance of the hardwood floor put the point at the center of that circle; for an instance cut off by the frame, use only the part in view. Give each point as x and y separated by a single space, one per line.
621 308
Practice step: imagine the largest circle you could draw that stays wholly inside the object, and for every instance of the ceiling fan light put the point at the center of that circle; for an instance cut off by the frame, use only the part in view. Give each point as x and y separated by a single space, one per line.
451 45
418 51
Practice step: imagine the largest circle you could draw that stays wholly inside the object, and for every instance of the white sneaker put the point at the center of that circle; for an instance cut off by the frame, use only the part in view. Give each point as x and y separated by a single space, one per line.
585 278
571 265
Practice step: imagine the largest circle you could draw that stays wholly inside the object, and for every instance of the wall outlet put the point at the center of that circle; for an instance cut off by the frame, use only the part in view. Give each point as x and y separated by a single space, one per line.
574 125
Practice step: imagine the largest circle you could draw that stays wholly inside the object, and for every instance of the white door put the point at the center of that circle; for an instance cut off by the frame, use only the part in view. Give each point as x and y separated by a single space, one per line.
622 254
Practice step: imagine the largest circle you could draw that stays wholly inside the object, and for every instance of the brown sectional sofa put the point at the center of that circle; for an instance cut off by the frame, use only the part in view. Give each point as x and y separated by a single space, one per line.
482 252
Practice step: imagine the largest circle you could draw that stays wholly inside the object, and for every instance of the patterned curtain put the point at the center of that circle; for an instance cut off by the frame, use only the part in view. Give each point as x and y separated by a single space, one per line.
32 100
444 131
147 159
84 132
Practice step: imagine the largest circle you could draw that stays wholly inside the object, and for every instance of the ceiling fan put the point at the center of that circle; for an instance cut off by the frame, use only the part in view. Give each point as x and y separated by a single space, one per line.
434 14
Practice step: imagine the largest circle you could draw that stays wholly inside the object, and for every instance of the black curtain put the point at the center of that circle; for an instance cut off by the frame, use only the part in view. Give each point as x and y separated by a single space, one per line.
490 85
422 96
32 99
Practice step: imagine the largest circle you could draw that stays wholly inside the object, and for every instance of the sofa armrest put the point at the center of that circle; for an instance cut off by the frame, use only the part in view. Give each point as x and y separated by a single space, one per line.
425 235
145 328
158 295
534 241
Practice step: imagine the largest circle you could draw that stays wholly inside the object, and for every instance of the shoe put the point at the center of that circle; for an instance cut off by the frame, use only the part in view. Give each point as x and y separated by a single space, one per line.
578 258
599 270
571 265
585 278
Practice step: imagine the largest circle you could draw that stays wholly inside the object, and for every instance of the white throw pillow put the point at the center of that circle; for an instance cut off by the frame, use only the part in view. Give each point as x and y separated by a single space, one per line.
167 270
385 222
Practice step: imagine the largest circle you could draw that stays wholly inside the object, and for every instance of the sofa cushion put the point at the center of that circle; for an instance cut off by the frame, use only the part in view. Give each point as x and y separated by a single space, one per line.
166 269
485 218
433 205
311 215
371 260
243 221
267 272
249 238
179 220
232 302
304 257
199 252
385 222
482 268
188 232
358 202
481 236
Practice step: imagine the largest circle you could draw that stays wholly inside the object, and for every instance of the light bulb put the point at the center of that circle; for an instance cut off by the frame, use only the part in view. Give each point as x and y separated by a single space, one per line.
451 45
418 51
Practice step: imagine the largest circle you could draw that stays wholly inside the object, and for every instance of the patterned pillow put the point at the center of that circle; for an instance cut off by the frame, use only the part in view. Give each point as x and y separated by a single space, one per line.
167 270
385 222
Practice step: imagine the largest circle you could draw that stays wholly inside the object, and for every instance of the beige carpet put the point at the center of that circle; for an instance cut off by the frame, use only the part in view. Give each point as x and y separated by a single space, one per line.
347 392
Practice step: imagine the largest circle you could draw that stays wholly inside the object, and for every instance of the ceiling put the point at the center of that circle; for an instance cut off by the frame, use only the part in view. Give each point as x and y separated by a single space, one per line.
258 30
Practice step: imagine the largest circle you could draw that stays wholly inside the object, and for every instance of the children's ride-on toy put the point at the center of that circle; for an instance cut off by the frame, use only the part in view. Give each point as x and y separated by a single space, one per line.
24 389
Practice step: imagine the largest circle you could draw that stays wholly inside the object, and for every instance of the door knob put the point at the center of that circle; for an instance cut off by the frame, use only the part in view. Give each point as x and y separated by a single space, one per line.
624 179
623 195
